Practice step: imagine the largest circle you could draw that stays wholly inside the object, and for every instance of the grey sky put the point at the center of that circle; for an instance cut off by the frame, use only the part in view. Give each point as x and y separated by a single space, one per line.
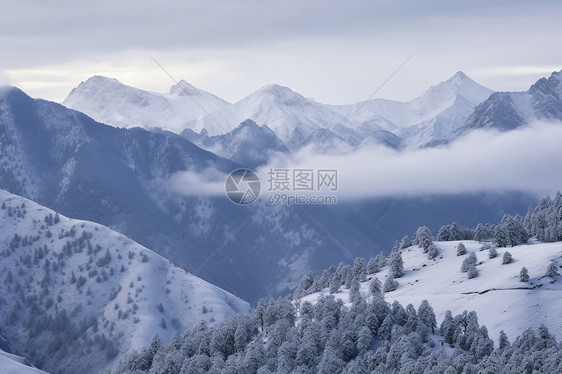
333 51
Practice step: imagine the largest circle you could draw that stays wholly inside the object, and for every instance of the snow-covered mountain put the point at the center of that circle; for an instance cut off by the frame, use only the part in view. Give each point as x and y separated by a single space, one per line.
425 120
505 111
297 121
290 115
109 101
248 144
76 294
500 299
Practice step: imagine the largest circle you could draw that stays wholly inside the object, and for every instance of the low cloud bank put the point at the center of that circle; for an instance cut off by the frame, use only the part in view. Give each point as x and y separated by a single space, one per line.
527 159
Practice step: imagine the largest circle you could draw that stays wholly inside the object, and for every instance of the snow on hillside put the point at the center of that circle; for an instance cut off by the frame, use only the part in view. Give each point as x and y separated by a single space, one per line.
109 101
76 293
12 364
500 299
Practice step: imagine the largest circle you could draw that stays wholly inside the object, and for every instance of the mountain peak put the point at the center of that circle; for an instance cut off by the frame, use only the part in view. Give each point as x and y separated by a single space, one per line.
548 86
182 88
282 94
456 86
100 80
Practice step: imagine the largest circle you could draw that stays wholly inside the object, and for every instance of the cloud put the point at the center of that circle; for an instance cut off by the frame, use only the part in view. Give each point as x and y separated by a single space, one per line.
332 51
526 160
4 79
208 182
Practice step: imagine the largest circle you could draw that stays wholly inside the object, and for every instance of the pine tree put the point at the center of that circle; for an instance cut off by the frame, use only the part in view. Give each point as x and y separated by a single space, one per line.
372 266
472 272
422 237
375 287
396 265
552 270
365 339
461 249
390 284
469 261
507 258
492 253
479 233
427 315
503 340
405 242
454 232
432 252
524 274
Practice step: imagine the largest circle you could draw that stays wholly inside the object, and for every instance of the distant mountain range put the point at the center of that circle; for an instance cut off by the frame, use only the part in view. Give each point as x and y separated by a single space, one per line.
289 121
295 120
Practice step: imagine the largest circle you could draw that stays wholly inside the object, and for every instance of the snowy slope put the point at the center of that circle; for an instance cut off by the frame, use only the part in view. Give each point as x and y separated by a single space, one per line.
12 364
501 301
508 110
109 101
66 284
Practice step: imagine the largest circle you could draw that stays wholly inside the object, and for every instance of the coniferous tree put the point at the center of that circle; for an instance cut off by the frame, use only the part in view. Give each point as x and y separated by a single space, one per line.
390 284
503 340
461 249
396 264
524 274
472 272
507 258
422 238
479 233
427 315
552 270
375 287
405 242
432 252
373 266
469 261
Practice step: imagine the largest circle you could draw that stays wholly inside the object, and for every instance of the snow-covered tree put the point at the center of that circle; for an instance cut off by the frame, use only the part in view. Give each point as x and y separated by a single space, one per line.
375 287
432 252
390 284
372 266
422 237
503 340
469 261
472 272
427 315
507 258
492 253
461 249
524 274
405 242
552 270
396 264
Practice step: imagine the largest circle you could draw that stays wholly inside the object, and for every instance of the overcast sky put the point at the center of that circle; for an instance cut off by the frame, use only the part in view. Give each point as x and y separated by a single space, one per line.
332 51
